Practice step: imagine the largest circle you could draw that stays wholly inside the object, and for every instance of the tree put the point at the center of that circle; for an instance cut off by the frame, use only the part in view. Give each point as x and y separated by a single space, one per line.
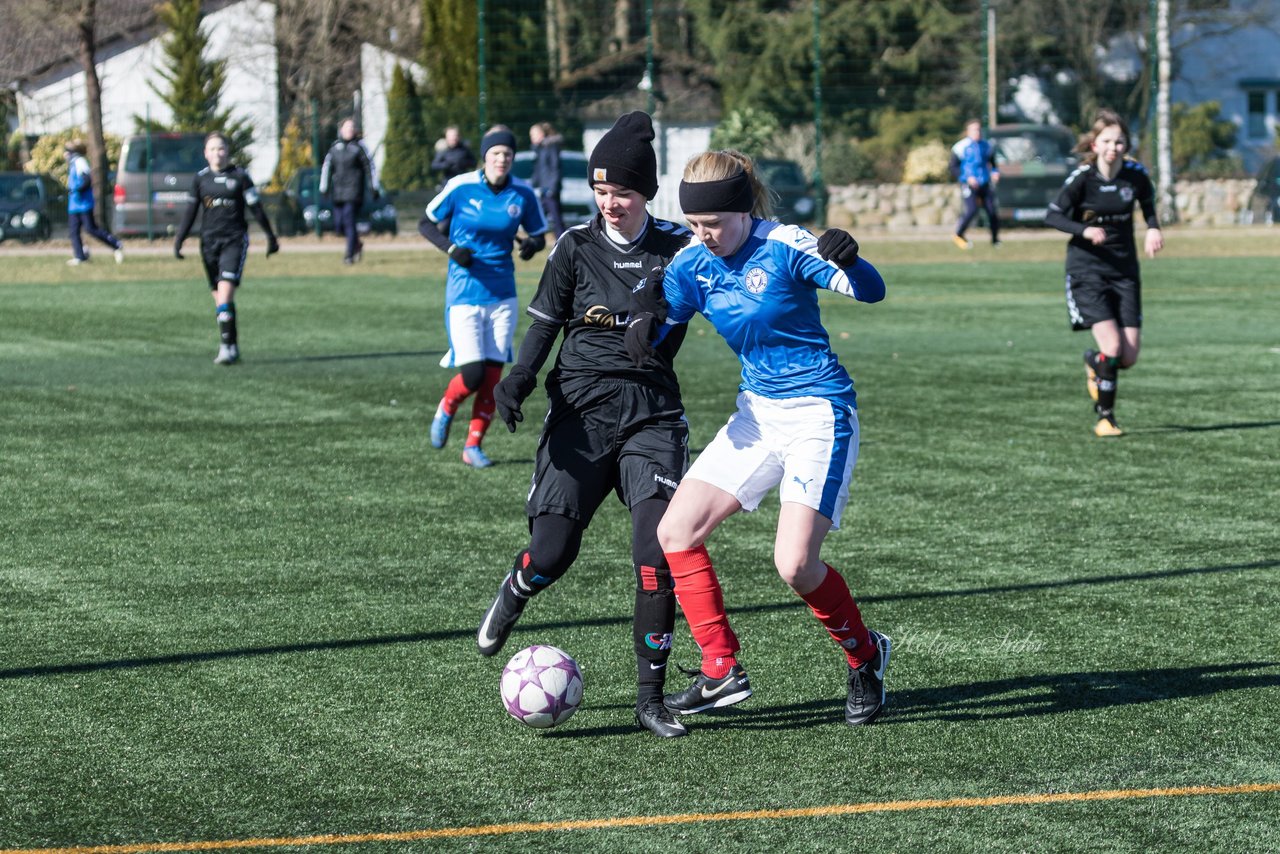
407 164
295 154
449 55
194 83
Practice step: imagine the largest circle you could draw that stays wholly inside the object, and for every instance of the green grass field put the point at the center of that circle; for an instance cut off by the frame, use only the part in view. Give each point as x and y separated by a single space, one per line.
237 606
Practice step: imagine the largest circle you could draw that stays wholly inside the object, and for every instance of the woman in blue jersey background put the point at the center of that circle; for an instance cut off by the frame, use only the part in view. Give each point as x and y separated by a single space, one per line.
795 428
474 220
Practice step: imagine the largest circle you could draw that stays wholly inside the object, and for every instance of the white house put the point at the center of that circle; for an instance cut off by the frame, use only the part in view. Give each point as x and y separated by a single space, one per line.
242 32
1234 58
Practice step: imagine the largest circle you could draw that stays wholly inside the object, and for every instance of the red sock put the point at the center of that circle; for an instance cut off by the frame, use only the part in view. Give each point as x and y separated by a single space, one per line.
698 592
454 394
483 408
834 607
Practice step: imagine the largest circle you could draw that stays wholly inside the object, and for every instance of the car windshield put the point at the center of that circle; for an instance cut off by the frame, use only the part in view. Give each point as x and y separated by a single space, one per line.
1031 148
168 154
19 188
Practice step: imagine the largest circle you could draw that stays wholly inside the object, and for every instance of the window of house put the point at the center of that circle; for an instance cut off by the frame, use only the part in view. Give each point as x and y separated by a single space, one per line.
1256 123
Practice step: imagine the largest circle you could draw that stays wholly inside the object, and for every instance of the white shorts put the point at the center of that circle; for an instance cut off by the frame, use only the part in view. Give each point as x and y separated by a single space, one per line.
480 333
808 445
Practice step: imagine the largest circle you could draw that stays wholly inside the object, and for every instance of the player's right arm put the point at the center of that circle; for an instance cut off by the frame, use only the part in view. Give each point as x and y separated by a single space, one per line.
1062 210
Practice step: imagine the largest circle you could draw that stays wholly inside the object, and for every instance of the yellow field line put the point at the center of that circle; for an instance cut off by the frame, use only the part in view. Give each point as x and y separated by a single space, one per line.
652 820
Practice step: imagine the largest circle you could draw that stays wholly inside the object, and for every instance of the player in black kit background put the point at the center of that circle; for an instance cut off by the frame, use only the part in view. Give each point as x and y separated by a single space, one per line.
222 192
611 427
1104 289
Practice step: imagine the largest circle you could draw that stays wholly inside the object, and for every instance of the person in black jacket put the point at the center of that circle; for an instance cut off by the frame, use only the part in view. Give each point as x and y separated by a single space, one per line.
453 157
347 170
1104 288
223 191
546 173
612 427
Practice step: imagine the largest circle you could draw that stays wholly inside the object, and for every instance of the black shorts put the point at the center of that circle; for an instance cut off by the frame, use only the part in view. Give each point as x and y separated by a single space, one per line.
1095 299
224 258
609 435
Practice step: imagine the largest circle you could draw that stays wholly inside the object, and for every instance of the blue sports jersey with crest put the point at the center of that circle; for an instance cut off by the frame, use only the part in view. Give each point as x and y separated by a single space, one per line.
763 300
485 221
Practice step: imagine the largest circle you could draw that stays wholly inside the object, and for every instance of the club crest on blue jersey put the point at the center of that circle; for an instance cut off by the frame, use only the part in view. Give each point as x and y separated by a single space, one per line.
513 211
756 280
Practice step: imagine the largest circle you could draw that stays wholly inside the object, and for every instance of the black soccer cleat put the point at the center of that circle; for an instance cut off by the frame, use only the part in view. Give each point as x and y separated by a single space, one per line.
707 693
500 619
657 718
866 685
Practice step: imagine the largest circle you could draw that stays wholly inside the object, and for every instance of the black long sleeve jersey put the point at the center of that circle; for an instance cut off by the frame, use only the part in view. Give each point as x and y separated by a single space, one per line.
1087 199
223 198
586 289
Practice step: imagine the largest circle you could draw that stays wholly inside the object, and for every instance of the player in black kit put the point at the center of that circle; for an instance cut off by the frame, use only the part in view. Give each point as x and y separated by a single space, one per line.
223 191
611 427
1104 291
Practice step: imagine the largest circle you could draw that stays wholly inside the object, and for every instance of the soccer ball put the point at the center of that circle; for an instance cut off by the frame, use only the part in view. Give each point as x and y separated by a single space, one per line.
541 686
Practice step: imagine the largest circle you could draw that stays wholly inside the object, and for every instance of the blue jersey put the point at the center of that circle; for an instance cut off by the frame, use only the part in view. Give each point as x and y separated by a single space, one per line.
763 300
79 186
973 158
485 221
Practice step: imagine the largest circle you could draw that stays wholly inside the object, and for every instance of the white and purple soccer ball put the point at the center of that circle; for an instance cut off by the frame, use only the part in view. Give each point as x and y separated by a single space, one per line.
541 686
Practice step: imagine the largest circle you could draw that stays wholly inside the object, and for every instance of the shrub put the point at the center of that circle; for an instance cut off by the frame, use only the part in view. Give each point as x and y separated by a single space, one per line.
46 154
927 164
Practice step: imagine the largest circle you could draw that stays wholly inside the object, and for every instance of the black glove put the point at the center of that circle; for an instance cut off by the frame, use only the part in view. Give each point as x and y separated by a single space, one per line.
177 251
638 339
531 246
647 297
511 391
838 245
461 255
273 245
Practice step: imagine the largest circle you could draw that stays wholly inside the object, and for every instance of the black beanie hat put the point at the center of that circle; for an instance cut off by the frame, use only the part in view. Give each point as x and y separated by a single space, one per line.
497 137
624 156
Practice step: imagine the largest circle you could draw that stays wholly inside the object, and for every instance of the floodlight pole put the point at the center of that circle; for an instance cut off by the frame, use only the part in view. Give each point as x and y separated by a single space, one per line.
819 185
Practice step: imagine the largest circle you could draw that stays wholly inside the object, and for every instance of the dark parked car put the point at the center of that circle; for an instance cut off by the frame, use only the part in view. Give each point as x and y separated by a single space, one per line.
1034 162
577 199
296 212
153 181
797 203
31 206
1264 203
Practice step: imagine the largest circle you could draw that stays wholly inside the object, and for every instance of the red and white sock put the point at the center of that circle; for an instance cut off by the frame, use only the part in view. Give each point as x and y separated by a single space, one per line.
700 597
483 408
834 607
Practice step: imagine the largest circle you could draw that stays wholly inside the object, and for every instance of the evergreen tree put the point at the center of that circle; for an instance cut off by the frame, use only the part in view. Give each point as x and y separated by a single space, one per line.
450 57
407 163
295 154
193 83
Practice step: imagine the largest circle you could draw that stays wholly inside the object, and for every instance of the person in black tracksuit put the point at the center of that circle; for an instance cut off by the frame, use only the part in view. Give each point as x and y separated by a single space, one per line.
611 427
546 177
1104 289
453 157
223 191
347 170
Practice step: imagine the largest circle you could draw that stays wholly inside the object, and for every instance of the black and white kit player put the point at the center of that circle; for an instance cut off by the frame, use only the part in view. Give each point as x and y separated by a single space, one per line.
221 197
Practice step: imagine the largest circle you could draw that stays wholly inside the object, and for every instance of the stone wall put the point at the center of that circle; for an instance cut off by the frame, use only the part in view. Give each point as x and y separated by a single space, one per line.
1218 202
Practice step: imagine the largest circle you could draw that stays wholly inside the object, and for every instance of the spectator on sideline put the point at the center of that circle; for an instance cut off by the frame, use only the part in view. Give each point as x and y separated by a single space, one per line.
454 157
474 220
546 173
80 203
973 164
347 170
1104 285
223 191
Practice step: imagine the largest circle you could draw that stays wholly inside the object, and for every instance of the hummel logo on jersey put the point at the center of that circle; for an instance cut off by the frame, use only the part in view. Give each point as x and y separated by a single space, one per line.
627 265
666 481
804 484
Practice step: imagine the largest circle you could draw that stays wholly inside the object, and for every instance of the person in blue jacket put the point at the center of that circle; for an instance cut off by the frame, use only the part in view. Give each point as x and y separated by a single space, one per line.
80 215
973 164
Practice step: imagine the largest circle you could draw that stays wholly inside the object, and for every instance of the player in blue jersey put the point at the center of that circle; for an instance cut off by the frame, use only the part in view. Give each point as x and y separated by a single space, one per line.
973 164
795 428
1104 289
80 204
475 220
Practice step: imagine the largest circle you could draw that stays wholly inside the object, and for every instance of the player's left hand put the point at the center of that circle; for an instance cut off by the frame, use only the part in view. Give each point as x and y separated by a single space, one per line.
273 245
648 296
1154 242
838 245
510 392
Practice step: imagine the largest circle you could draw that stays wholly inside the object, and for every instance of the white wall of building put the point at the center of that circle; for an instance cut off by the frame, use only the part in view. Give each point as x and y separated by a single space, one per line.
243 33
376 68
